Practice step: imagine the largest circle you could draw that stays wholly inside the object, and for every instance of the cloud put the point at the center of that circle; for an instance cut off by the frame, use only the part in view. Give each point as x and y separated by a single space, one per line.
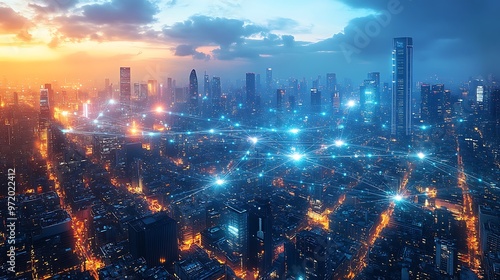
52 6
188 50
10 21
203 30
121 12
117 20
282 24
13 23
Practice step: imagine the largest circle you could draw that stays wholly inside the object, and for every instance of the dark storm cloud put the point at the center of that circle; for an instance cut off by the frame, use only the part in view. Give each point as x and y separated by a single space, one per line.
450 37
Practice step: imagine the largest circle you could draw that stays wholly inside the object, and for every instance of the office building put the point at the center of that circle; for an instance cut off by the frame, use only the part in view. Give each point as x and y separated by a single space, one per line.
125 90
402 82
154 238
193 93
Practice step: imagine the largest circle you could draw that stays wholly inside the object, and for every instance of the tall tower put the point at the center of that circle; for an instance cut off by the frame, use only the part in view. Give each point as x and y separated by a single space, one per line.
425 91
238 232
260 240
280 93
269 80
315 100
250 90
193 93
216 94
402 81
125 88
331 88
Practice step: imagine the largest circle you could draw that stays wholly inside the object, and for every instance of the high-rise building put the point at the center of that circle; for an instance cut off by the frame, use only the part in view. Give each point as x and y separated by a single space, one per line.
250 92
269 80
425 91
216 94
494 113
446 257
280 94
125 88
237 230
331 88
436 104
312 255
375 78
152 88
369 100
260 240
315 100
402 63
154 238
193 93
206 86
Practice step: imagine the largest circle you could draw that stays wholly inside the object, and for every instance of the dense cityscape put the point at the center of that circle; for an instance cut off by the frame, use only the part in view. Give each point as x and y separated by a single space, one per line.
252 175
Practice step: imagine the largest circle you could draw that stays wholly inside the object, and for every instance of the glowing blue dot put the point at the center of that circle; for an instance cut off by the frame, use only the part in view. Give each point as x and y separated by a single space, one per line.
260 174
220 182
143 115
254 140
237 125
95 121
421 155
351 103
294 130
211 131
101 114
339 143
398 198
296 156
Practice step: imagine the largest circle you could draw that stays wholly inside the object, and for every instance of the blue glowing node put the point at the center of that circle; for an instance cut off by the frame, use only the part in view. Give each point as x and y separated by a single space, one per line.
96 121
111 101
219 182
101 114
211 131
421 155
351 103
339 143
294 130
260 174
296 156
398 198
254 140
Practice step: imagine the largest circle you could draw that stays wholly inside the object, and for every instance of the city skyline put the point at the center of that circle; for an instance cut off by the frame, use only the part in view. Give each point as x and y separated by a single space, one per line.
156 38
238 140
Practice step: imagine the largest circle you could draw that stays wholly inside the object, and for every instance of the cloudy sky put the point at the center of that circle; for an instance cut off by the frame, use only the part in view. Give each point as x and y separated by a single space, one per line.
91 39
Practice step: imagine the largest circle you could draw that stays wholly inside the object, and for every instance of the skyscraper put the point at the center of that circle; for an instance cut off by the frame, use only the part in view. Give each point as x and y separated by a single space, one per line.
154 238
402 63
250 92
368 96
315 100
446 257
237 237
260 240
425 91
269 80
125 88
280 93
193 93
216 94
331 88
206 86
